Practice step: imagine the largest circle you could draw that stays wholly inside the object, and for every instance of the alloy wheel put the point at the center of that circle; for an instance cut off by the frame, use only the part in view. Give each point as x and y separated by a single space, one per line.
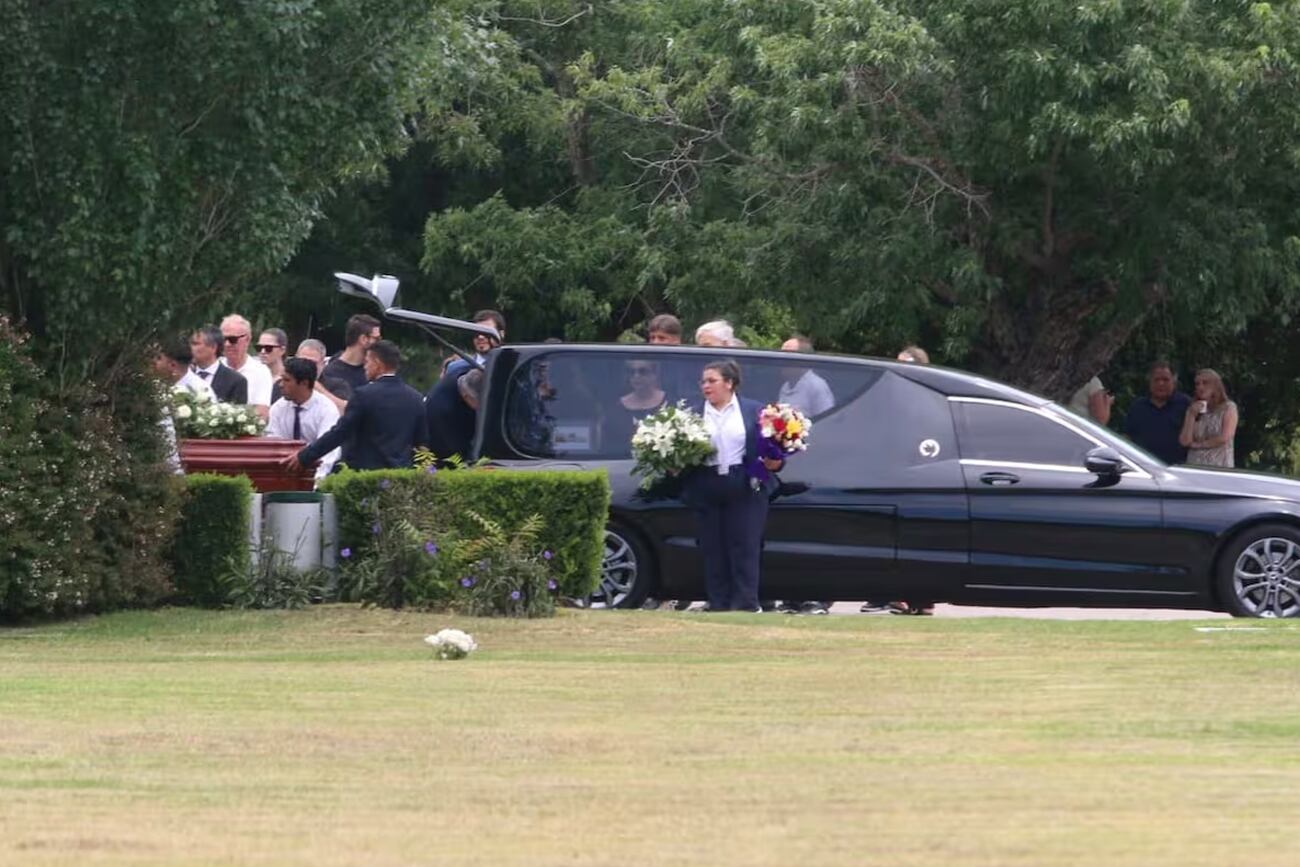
1266 578
618 570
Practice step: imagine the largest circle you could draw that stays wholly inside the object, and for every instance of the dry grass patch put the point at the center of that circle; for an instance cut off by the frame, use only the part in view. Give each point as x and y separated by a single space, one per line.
332 737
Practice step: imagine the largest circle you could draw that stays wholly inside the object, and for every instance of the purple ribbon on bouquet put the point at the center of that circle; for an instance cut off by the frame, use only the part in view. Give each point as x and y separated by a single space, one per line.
766 449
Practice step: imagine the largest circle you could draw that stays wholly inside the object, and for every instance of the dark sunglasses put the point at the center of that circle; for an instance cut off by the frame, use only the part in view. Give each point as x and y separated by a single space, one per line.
232 339
268 347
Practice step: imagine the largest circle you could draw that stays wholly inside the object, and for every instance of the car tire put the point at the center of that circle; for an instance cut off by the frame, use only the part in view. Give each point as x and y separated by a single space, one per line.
626 570
1259 572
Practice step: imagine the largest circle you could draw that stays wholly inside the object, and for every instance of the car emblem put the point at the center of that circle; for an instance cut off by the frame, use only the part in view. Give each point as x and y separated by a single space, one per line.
929 449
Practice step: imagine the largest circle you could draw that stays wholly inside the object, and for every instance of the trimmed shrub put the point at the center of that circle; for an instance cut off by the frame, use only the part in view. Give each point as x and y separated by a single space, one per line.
573 505
212 548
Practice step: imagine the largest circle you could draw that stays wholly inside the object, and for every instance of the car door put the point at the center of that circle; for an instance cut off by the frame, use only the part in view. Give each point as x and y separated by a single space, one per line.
876 507
1044 528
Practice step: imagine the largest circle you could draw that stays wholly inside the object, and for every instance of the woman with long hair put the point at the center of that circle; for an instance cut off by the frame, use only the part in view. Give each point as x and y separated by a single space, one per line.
1210 424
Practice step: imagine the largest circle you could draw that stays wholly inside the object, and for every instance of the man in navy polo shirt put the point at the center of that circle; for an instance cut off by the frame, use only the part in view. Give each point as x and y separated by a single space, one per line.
1154 422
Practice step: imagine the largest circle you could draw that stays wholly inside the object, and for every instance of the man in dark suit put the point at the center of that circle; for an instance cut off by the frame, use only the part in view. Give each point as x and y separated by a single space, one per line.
383 423
451 410
228 386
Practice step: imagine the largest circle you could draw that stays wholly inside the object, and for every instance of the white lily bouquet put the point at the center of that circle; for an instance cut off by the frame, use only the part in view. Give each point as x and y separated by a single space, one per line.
451 643
669 442
199 416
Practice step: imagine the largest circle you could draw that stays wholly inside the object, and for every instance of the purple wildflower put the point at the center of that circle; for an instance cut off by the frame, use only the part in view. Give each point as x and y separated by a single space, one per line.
430 547
431 469
550 584
374 528
467 582
514 594
384 484
345 553
547 554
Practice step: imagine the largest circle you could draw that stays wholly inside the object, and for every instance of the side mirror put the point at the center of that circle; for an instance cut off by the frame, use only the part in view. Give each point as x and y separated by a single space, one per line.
1105 462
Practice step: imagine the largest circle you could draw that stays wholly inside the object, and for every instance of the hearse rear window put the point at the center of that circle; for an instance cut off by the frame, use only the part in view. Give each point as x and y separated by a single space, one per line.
588 404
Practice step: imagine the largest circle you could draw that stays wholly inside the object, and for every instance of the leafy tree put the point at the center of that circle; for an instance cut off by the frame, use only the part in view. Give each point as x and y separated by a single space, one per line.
1020 182
159 156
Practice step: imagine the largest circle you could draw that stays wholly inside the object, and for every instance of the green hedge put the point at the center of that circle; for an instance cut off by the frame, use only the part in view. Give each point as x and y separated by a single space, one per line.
87 504
575 506
213 538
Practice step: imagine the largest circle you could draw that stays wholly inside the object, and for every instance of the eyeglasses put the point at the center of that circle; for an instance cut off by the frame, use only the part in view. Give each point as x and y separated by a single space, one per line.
268 347
232 339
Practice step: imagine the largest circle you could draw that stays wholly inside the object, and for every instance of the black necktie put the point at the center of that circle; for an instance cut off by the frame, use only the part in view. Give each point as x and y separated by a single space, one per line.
297 422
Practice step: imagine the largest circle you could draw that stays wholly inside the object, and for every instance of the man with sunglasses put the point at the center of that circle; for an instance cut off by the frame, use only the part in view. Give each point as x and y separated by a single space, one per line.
226 385
237 332
271 346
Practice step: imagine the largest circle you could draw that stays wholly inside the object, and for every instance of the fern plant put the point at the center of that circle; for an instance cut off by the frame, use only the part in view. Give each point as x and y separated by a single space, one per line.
509 575
413 561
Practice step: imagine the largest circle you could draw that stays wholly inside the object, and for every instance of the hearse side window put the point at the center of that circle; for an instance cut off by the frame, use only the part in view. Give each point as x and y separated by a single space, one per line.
587 404
992 432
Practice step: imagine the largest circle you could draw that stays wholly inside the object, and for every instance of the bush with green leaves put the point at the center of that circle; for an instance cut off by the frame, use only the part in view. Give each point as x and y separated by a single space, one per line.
411 556
575 506
87 504
511 574
212 548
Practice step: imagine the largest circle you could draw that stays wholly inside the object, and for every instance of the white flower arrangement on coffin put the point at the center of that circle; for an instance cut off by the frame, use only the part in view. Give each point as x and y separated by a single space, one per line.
200 416
451 643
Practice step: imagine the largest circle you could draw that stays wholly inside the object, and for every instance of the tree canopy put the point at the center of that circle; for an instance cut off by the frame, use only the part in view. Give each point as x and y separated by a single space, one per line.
1022 183
159 156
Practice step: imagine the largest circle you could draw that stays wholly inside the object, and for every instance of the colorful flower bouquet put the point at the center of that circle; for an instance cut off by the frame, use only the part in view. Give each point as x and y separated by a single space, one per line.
669 442
785 427
783 430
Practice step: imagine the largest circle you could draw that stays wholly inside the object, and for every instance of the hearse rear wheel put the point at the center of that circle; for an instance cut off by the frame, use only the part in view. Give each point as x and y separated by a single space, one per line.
626 572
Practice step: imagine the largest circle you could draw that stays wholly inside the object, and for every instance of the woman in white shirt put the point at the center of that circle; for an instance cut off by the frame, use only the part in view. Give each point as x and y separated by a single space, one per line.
730 495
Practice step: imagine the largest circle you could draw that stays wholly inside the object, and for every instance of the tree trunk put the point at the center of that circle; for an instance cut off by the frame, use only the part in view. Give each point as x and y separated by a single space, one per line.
1052 345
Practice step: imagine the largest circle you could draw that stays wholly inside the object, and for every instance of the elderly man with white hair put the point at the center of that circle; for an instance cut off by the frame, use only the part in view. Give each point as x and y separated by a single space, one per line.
717 333
237 332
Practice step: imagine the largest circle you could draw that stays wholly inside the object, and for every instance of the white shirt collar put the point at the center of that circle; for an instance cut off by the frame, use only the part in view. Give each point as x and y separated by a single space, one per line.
734 402
210 369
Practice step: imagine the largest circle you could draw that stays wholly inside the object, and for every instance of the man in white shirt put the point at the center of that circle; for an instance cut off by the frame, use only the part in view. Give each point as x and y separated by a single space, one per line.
172 364
303 413
237 332
1092 400
803 389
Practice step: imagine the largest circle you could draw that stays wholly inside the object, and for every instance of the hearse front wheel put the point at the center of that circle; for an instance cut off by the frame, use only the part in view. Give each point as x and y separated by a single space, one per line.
1259 574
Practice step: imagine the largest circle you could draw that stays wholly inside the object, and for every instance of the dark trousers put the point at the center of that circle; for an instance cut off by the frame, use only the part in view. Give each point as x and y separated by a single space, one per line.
730 517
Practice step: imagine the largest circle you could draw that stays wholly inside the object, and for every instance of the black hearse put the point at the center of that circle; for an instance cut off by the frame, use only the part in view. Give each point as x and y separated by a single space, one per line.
919 482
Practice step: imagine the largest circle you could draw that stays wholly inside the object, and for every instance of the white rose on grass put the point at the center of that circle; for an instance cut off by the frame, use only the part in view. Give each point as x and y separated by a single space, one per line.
451 643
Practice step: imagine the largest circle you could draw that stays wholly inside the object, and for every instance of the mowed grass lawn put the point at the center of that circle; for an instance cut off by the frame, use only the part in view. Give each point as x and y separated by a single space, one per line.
333 737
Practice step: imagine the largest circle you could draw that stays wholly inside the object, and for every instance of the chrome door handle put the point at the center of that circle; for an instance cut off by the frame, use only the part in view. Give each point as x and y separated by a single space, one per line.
999 479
